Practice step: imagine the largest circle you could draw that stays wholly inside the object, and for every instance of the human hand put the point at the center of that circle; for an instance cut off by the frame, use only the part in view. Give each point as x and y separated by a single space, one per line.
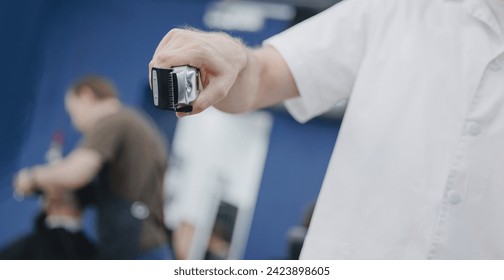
219 57
61 204
23 182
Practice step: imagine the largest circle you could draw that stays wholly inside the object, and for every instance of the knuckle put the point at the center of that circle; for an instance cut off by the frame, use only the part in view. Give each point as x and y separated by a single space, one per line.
173 32
162 58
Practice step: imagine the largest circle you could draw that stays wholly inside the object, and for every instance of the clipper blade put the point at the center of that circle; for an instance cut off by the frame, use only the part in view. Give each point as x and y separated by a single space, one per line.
175 88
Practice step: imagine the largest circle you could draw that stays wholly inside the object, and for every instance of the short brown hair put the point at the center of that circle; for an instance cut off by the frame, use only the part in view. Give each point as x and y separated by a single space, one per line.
101 87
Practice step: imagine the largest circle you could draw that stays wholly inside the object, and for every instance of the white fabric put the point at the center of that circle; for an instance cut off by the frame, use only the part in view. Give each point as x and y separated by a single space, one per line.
216 158
71 224
418 168
498 8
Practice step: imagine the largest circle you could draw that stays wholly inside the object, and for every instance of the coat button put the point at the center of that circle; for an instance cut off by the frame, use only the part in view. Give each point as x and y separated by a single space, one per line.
454 197
474 128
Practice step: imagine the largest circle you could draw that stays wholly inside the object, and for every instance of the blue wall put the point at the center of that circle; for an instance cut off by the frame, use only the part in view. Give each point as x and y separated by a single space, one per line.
22 26
51 43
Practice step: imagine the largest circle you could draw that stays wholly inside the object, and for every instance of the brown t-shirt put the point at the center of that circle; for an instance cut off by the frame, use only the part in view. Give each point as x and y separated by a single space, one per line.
135 155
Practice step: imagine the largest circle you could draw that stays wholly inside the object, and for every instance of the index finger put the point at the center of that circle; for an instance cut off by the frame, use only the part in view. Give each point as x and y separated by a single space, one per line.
160 45
165 40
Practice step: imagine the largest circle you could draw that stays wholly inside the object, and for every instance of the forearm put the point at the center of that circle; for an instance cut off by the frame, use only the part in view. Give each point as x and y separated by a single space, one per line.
182 239
73 172
242 96
266 80
55 177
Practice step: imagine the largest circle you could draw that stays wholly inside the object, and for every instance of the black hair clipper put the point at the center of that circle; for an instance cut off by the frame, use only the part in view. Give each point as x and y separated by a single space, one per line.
176 88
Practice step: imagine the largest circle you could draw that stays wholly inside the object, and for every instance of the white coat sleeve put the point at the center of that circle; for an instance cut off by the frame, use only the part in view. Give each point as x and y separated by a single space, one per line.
323 54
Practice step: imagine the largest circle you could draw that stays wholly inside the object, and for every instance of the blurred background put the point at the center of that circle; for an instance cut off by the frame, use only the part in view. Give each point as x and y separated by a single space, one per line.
259 208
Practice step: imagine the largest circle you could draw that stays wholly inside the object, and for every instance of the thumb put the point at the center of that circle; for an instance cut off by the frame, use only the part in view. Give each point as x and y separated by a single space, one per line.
215 91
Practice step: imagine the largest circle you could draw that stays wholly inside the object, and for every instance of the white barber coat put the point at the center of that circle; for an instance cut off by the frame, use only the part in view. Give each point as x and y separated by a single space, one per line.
418 168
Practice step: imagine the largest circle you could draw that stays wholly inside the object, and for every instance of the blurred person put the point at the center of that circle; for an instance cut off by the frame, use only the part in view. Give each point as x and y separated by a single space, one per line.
416 171
57 234
127 155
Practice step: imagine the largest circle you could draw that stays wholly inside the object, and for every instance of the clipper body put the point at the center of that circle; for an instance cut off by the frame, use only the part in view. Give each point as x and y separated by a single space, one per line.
176 88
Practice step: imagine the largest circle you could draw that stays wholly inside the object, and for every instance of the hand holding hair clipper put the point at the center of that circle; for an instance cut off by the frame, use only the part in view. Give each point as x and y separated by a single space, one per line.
235 79
219 59
176 88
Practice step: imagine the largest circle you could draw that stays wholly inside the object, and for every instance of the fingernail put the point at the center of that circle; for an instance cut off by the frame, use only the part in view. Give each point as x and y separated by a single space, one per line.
181 114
